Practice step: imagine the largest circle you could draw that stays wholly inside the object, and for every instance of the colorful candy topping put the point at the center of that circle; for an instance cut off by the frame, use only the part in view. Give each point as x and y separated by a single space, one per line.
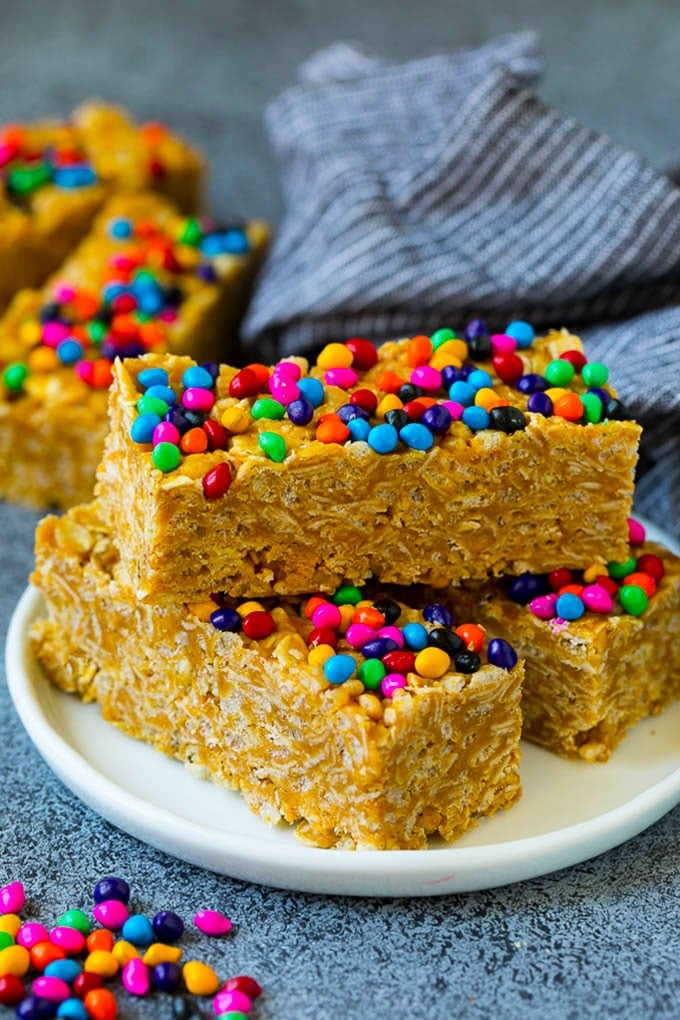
24 168
136 304
348 635
68 978
412 408
566 595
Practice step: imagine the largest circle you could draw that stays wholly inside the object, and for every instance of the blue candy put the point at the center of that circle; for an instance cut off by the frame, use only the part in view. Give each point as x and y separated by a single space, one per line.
312 390
67 970
229 242
137 930
522 332
152 377
119 227
69 351
462 393
383 438
142 428
415 636
359 429
197 376
570 607
339 668
476 418
74 177
500 653
479 379
162 393
72 1009
149 300
112 291
416 436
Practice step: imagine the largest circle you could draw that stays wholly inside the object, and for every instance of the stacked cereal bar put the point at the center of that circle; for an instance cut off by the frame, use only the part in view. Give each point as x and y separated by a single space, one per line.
56 175
146 278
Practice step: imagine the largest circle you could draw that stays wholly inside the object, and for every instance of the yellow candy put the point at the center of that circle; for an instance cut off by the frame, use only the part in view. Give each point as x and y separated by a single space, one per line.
158 952
432 663
487 398
199 978
390 402
124 951
346 614
458 348
14 960
593 572
249 607
335 356
202 610
320 654
101 962
363 604
236 419
555 392
30 331
42 359
440 359
10 923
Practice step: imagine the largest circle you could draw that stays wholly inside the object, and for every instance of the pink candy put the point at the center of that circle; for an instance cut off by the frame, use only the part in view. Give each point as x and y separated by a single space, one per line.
288 370
136 977
394 634
636 532
70 940
282 389
198 399
454 408
390 683
53 333
327 615
51 988
501 343
31 933
344 378
232 1000
597 599
12 898
166 432
544 606
427 377
111 914
358 634
211 922
64 293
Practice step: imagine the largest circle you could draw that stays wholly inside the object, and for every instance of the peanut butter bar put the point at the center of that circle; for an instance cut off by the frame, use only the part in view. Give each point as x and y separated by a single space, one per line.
592 677
146 278
291 701
426 461
56 175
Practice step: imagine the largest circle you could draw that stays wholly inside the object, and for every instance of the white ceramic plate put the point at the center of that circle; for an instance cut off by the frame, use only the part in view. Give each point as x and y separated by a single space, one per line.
570 811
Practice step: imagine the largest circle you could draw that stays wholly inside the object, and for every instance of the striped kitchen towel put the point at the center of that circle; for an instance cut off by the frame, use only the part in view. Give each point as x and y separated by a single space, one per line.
422 194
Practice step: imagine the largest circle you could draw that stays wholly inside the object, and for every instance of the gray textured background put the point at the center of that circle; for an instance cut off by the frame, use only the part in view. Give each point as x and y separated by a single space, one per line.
599 940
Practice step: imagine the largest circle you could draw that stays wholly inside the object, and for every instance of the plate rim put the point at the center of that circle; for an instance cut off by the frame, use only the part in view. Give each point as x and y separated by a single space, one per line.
436 871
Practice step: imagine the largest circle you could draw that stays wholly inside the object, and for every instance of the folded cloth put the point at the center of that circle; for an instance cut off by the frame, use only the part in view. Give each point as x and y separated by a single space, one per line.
424 193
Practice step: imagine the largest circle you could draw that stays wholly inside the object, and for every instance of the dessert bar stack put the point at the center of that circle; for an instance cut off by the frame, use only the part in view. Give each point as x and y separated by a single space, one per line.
110 209
291 575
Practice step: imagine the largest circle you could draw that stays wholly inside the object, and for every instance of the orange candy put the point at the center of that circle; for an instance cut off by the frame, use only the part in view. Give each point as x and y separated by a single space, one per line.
472 635
101 374
571 589
419 351
151 333
389 382
644 581
194 441
370 616
331 429
101 1004
569 406
101 939
43 359
43 953
314 603
261 372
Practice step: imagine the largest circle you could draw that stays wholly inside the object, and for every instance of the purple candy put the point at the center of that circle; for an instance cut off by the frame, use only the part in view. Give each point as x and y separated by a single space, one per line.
437 419
206 273
527 587
226 619
300 411
540 403
451 374
500 653
437 612
532 383
604 396
379 647
476 328
349 411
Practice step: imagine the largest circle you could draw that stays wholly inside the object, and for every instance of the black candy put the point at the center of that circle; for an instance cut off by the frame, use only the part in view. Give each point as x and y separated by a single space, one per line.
507 419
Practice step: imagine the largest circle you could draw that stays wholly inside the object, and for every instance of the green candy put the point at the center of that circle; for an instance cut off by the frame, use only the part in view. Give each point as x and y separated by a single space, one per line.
620 570
592 407
347 595
96 332
5 940
233 1014
266 407
440 337
371 673
559 372
633 600
144 276
75 919
166 456
14 376
152 405
273 445
192 233
26 180
594 373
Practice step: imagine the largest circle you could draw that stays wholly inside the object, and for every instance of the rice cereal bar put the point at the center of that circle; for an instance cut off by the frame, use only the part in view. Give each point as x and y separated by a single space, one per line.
428 460
368 723
146 278
55 176
602 646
